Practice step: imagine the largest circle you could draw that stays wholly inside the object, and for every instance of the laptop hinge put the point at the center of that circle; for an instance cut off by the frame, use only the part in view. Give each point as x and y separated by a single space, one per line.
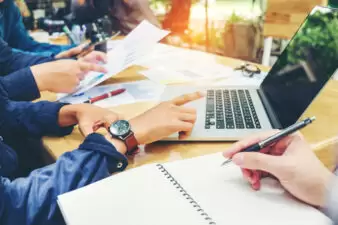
269 111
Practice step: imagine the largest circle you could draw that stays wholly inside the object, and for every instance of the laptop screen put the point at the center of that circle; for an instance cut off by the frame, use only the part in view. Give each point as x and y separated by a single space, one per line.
304 67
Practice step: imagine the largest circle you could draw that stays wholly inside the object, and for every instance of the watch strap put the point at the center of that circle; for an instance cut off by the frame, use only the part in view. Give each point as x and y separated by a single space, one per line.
132 144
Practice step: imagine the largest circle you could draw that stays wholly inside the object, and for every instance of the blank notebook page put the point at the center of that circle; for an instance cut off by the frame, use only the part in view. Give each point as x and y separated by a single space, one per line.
141 196
228 199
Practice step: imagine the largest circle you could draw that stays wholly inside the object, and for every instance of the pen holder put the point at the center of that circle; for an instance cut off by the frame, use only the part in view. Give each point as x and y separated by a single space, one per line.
101 47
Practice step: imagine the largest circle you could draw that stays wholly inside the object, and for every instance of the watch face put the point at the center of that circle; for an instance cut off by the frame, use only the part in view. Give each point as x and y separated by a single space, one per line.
120 128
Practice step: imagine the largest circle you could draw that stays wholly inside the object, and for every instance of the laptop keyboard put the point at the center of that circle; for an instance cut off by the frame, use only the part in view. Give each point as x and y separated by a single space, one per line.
230 109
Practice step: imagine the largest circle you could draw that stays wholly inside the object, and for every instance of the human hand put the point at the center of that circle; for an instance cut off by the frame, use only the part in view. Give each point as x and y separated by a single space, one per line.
165 119
62 76
94 57
70 53
77 51
290 160
87 116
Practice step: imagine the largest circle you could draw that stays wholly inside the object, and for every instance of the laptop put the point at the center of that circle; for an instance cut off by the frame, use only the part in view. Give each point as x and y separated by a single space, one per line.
300 73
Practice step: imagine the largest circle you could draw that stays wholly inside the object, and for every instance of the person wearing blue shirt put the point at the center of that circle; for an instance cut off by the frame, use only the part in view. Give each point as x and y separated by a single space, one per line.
24 83
32 200
13 31
33 74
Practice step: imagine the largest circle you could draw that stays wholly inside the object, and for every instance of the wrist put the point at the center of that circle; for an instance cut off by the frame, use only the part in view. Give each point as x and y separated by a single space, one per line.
39 78
68 115
137 130
119 145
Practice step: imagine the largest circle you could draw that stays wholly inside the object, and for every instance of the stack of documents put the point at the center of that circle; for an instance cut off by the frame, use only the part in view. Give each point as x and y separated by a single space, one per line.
137 91
127 52
170 65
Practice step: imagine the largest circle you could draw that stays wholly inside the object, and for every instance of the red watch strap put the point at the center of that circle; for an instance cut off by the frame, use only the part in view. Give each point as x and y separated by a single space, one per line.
132 144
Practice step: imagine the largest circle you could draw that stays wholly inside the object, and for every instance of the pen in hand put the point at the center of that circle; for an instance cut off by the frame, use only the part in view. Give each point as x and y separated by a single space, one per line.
276 137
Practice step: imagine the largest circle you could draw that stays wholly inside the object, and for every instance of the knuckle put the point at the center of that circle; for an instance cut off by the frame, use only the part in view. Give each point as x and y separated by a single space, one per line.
194 117
193 111
190 126
172 106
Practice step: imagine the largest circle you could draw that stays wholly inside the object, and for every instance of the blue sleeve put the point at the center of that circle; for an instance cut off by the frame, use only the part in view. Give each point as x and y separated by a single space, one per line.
33 200
20 86
12 61
20 39
31 119
43 49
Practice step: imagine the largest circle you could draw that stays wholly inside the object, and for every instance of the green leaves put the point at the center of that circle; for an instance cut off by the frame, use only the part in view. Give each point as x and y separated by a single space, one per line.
319 34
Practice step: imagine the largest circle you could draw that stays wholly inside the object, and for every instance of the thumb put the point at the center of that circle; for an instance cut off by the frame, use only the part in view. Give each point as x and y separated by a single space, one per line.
259 161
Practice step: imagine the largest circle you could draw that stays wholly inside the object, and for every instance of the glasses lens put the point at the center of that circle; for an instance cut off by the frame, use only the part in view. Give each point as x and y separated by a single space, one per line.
247 73
252 68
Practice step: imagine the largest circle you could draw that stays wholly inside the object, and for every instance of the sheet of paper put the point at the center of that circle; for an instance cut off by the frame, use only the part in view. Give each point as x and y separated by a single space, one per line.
111 44
170 65
137 91
226 196
106 202
185 192
211 74
127 52
237 79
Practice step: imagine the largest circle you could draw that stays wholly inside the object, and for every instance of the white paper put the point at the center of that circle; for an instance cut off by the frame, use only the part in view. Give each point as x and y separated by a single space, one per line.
214 74
169 65
129 198
127 52
111 44
149 196
137 91
237 79
228 199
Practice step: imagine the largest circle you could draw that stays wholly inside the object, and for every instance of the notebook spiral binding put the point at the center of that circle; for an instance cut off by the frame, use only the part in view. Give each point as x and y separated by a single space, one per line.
186 195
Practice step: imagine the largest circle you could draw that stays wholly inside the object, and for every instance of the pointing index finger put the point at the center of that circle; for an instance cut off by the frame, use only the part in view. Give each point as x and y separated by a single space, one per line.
183 99
86 67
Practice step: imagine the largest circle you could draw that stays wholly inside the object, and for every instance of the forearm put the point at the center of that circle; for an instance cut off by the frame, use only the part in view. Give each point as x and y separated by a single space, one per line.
11 61
20 85
37 49
36 195
22 59
33 119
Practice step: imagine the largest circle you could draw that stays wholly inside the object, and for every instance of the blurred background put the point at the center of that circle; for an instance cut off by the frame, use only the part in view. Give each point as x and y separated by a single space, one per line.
252 30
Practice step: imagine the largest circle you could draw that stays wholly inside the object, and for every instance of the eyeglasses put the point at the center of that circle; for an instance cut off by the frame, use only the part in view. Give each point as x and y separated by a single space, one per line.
248 70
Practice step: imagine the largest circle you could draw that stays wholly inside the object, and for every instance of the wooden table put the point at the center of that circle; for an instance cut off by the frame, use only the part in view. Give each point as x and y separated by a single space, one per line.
325 108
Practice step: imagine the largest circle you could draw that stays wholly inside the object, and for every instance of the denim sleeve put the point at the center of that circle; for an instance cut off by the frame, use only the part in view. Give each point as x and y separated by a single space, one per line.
32 119
20 85
12 61
33 200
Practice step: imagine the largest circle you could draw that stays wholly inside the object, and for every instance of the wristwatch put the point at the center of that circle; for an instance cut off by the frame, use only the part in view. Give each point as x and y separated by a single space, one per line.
121 130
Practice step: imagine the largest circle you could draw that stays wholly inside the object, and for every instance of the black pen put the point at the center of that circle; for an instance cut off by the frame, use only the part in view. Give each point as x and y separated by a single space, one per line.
276 137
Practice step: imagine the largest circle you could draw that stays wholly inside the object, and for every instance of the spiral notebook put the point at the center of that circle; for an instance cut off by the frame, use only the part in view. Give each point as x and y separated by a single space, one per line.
196 191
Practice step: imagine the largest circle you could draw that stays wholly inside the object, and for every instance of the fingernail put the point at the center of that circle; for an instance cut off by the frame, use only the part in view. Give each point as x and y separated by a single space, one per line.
238 159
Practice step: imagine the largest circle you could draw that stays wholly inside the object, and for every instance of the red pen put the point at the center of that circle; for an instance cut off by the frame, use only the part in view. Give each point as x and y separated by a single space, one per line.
105 96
